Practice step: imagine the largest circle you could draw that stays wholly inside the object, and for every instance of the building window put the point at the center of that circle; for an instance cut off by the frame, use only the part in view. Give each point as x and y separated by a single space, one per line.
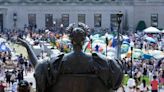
1 22
32 20
97 20
65 20
154 20
49 20
113 21
81 18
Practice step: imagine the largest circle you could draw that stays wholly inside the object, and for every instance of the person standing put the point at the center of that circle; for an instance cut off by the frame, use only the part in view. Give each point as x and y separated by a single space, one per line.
25 66
2 87
131 84
154 84
12 78
8 76
20 77
143 86
31 88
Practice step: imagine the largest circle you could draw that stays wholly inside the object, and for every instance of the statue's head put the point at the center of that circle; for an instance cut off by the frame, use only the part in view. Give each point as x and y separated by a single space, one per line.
78 34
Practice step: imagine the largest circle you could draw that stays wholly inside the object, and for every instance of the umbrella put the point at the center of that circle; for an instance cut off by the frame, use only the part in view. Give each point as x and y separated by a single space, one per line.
124 48
150 39
159 56
96 36
111 53
155 53
109 36
125 37
125 42
136 53
152 30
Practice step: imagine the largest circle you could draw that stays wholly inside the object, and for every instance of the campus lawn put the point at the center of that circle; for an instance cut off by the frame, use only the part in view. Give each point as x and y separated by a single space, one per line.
126 77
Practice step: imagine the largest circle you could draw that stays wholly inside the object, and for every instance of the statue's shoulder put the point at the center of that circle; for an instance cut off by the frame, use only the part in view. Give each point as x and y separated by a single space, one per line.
47 63
57 58
99 57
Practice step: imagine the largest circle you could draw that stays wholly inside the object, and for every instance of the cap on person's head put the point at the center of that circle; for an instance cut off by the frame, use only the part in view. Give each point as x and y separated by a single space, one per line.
23 83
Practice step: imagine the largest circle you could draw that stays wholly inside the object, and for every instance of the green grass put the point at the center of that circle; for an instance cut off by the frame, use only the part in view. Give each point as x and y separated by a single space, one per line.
126 77
19 49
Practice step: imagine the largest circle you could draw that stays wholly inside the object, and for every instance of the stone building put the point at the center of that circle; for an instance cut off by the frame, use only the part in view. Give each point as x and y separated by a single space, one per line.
95 13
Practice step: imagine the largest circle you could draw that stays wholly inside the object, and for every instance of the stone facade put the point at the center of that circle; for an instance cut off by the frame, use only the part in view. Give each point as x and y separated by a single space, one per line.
133 10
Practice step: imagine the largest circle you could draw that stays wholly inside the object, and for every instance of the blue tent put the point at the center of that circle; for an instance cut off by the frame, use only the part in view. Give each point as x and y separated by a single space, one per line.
147 56
4 48
114 42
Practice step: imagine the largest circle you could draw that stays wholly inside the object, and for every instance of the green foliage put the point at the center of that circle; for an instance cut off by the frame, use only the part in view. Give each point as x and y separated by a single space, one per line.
141 25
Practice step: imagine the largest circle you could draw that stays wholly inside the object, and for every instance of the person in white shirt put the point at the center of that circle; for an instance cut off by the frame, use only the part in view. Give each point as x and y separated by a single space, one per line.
131 84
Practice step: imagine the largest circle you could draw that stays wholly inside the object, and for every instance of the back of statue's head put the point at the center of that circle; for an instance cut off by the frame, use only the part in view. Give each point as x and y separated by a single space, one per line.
78 34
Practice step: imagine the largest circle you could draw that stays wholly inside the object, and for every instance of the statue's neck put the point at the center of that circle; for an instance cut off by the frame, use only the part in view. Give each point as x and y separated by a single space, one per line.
77 48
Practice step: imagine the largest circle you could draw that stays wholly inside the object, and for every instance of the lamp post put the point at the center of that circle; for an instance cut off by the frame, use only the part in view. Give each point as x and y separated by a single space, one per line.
61 28
14 19
119 17
91 41
131 60
106 40
54 24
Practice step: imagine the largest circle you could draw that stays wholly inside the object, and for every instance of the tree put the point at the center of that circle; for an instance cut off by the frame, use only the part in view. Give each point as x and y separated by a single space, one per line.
141 25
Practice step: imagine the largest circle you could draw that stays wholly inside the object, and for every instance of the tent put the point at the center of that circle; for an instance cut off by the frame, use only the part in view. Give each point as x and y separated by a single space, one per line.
151 30
147 56
162 31
2 40
150 39
4 48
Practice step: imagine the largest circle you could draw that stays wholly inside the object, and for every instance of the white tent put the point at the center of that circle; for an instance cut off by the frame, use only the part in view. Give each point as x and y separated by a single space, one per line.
2 40
162 31
151 30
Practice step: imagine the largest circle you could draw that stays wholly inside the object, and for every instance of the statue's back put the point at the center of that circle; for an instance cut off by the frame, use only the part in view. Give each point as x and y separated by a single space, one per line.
77 73
79 83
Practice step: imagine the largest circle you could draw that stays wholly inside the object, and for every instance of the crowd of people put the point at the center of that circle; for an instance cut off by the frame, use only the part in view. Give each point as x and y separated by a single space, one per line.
139 69
136 70
13 71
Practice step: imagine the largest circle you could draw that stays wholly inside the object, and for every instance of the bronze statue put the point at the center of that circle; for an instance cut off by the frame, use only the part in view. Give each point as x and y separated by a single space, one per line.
76 71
